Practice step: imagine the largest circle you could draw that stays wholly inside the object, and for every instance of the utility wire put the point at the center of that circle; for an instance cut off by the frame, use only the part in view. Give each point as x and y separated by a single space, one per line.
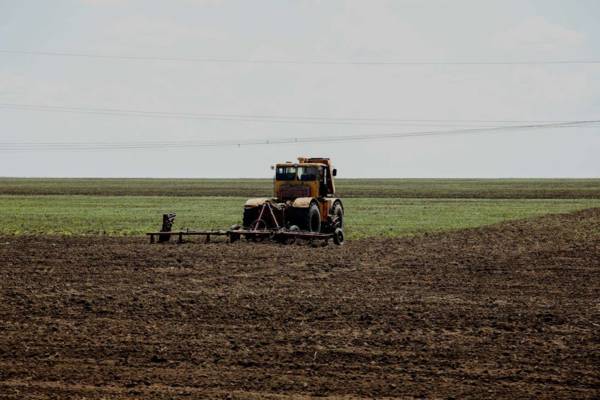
288 62
288 119
172 145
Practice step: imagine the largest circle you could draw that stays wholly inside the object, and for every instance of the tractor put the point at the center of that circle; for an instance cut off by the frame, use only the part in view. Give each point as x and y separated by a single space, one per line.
304 200
304 207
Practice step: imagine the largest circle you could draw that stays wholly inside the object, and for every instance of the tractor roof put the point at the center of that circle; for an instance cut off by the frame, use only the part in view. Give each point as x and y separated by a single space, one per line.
297 164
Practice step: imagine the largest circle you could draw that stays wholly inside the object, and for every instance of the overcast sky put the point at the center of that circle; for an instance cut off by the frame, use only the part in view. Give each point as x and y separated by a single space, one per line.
311 34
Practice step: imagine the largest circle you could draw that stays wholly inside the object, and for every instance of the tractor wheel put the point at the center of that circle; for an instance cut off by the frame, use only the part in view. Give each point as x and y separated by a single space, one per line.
338 236
309 219
337 216
250 215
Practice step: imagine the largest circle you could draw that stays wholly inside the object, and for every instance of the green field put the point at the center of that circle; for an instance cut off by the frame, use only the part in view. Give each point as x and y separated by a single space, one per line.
134 215
362 188
374 207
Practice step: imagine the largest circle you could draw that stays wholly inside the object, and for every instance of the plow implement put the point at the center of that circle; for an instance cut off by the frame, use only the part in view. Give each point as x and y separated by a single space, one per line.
257 233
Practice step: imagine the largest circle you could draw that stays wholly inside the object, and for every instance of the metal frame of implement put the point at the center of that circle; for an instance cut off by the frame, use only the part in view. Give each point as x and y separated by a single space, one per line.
279 234
234 235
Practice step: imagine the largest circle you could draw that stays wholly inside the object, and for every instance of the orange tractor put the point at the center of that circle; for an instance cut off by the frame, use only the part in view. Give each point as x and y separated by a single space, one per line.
304 200
304 206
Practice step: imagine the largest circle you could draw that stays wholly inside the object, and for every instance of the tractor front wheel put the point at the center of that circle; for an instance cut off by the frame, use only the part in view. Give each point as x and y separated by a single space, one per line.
309 219
250 215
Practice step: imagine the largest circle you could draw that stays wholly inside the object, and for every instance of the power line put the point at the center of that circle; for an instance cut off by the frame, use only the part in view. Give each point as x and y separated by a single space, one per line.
264 118
173 145
291 62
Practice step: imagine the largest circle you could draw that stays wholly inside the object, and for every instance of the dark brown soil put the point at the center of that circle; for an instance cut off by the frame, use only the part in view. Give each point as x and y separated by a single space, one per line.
507 311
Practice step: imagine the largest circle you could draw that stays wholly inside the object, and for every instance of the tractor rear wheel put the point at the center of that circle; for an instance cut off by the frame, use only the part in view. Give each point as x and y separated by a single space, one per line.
337 216
309 219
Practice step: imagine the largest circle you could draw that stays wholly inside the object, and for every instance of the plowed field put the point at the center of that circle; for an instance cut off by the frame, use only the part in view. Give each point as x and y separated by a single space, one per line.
511 310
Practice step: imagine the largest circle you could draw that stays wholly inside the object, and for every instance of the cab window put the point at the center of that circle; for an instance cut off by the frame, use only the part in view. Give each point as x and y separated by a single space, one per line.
286 173
308 173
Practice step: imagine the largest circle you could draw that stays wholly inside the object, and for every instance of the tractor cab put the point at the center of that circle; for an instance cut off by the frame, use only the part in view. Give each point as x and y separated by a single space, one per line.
309 177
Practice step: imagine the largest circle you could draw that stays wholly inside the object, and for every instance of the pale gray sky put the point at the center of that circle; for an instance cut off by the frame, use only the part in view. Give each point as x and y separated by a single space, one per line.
305 31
